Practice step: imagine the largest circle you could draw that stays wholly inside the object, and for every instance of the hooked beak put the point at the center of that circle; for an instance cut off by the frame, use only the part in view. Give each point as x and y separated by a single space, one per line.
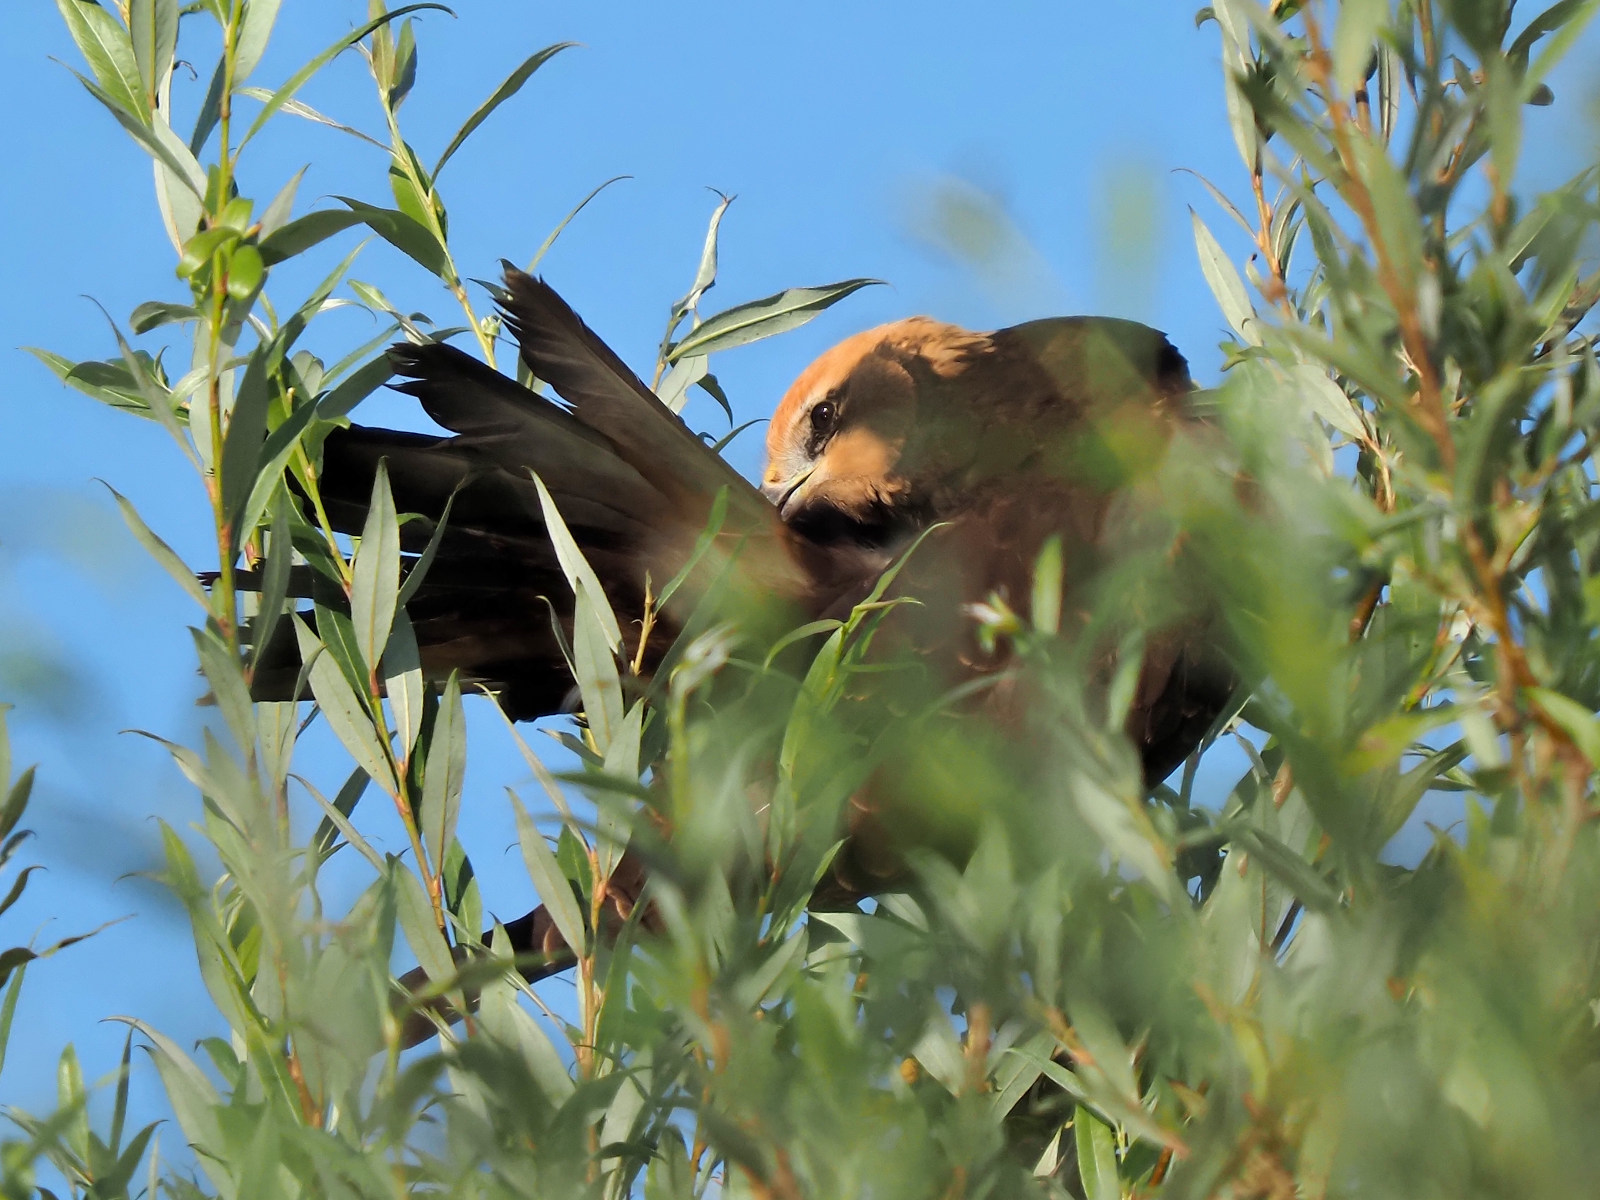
784 491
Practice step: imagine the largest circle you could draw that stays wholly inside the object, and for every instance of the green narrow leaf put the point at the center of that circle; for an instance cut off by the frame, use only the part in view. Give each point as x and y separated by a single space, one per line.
223 672
18 886
210 108
759 319
8 1009
160 551
359 355
1546 22
254 33
119 1108
14 960
405 234
74 1102
511 1026
1047 583
336 818
155 136
1581 725
595 662
417 922
156 397
302 233
507 89
277 213
1358 24
705 276
411 190
153 30
297 108
275 452
295 82
402 681
114 1181
555 892
1328 400
1568 27
15 804
1225 283
1097 1156
550 239
576 567
194 1101
419 570
375 573
246 432
8 815
347 716
446 769
179 207
106 47
622 762
1016 1071
96 380
153 314
338 635
1399 223
685 373
1291 870
1223 202
277 727
462 897
1390 90
355 388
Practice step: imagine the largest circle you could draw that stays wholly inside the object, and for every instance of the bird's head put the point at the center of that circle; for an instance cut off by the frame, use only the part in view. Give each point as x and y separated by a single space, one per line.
845 449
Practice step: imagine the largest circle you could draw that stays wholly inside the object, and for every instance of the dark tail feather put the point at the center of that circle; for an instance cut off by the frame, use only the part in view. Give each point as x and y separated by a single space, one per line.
610 399
631 482
485 608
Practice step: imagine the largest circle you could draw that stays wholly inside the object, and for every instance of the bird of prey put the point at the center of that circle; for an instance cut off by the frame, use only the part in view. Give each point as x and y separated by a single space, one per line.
984 445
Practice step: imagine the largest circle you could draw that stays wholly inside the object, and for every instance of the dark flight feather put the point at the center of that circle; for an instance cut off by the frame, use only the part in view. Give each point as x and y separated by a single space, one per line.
1004 440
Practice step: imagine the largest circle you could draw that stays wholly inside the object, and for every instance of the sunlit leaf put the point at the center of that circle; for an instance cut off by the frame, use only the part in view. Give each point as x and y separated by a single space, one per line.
507 89
554 890
375 573
295 82
153 32
109 51
446 768
745 323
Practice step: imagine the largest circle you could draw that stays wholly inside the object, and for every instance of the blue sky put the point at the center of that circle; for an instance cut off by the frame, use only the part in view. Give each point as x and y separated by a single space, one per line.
837 124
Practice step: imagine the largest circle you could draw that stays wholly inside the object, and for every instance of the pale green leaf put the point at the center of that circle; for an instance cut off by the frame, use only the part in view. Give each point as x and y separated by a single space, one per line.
446 769
107 48
577 568
375 573
555 892
346 714
153 31
1225 283
508 88
758 319
295 82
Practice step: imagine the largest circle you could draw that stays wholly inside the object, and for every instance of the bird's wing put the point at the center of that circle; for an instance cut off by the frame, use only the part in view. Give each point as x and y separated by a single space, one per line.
610 399
635 487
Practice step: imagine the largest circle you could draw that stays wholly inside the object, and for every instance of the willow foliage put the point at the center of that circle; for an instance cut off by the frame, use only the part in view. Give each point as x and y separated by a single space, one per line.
1113 994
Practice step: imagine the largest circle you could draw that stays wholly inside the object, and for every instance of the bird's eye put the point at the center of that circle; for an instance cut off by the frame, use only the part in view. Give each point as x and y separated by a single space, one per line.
822 417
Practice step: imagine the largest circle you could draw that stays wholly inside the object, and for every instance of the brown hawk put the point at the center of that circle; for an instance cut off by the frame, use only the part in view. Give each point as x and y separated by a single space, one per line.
995 442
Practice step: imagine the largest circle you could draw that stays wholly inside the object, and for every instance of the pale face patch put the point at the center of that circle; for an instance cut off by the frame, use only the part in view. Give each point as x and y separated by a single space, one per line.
837 437
854 471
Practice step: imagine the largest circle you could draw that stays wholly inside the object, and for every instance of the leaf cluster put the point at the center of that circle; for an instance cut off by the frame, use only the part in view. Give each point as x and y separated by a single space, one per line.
1084 988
